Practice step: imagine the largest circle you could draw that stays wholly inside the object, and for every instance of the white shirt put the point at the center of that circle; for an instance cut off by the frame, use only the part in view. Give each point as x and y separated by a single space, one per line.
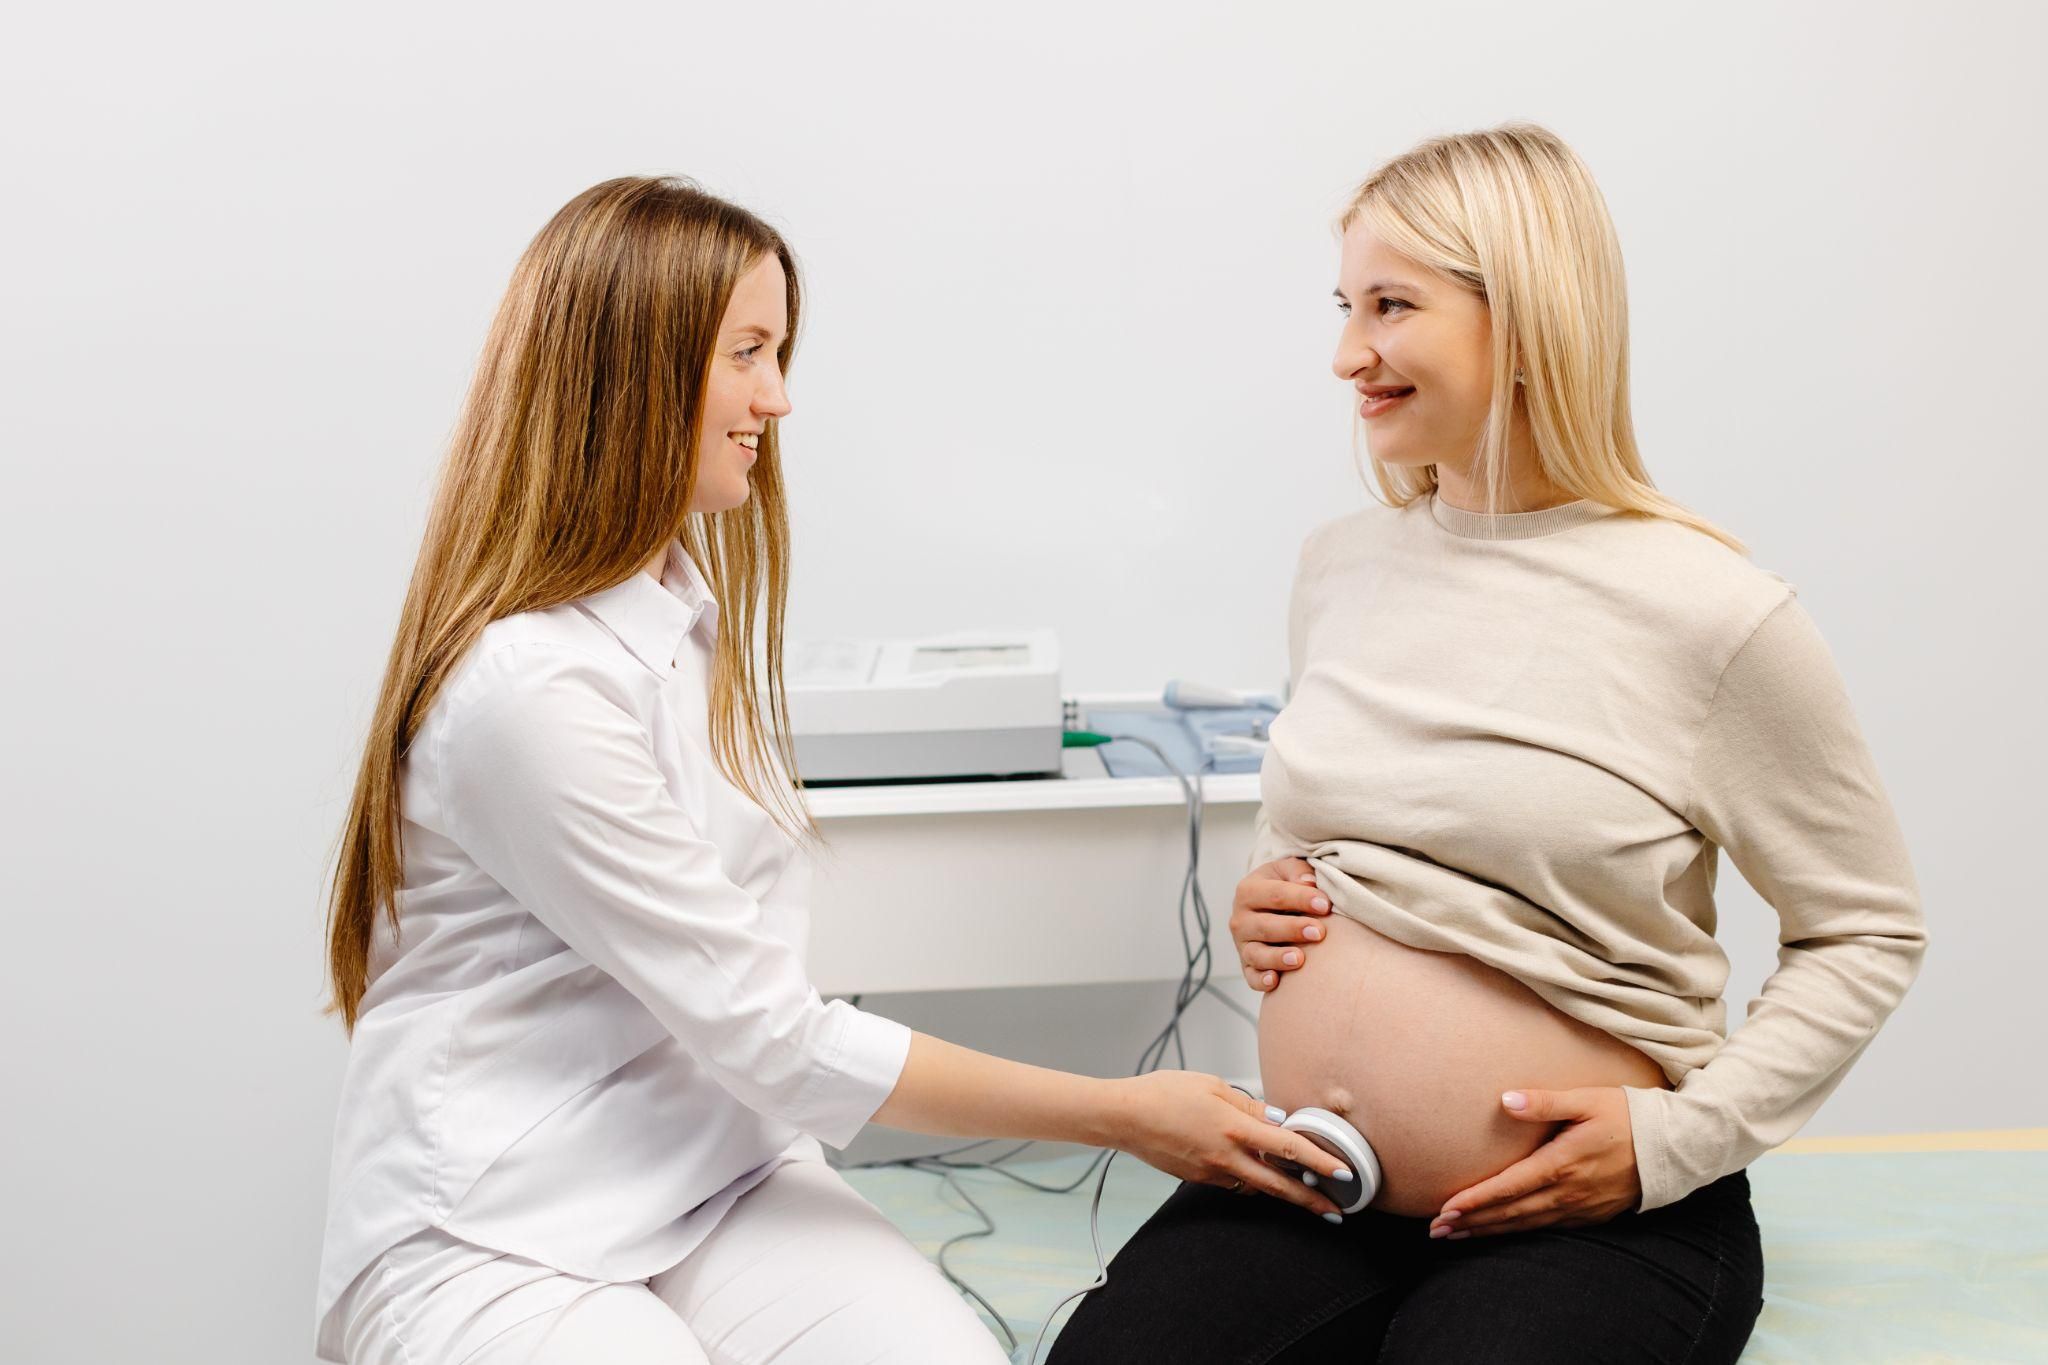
594 1031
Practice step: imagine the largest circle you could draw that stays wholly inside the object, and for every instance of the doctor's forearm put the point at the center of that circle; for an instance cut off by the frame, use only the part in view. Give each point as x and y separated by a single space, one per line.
951 1091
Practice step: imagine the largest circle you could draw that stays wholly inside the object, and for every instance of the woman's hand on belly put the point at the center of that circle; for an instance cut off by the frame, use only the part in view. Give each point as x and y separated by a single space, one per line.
1273 919
1585 1174
1414 1048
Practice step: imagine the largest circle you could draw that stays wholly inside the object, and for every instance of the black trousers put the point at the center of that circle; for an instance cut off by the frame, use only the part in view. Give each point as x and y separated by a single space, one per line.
1242 1280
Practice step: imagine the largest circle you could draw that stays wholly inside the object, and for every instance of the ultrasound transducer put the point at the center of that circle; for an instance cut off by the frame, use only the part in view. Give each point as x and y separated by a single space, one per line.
1337 1137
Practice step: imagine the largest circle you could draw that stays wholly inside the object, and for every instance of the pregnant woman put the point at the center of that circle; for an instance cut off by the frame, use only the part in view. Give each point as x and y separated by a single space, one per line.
1531 700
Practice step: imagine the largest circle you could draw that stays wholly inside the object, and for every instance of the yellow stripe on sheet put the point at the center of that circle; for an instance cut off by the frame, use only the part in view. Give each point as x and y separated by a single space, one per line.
1983 1140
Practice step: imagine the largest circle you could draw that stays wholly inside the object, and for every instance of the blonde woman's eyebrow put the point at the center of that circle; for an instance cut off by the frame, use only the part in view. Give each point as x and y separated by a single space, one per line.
1383 287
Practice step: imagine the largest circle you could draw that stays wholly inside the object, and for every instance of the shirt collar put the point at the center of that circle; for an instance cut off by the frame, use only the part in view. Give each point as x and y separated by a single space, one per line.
653 619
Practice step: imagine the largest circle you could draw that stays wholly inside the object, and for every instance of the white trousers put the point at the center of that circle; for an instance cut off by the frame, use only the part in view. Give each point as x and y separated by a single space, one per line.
801 1271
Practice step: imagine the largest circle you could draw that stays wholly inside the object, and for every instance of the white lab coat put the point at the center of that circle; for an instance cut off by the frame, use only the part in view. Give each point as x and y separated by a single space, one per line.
594 1032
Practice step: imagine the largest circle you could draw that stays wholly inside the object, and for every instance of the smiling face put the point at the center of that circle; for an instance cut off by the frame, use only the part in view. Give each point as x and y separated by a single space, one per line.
743 388
1418 347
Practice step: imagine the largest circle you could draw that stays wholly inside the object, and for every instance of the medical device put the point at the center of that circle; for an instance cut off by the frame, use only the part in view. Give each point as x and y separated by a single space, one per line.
974 704
1192 728
1190 696
1337 1137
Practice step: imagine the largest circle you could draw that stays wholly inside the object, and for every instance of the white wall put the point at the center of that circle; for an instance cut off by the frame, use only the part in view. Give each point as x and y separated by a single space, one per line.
1066 364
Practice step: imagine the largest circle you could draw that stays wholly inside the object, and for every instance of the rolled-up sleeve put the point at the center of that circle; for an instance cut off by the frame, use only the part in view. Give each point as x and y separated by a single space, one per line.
549 782
1785 784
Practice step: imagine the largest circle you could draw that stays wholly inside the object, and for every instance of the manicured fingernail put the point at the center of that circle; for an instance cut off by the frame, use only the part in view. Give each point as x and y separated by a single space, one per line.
1342 1173
1437 1232
1459 1236
1275 1115
1291 958
1308 1177
1309 877
1313 932
1320 904
1333 1218
1514 1099
1452 1216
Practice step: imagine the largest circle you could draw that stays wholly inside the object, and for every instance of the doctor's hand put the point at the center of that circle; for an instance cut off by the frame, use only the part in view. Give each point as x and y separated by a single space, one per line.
1585 1174
1272 920
1202 1130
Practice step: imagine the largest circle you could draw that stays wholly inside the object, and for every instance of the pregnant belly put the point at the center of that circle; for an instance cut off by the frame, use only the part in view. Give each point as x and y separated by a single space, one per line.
1414 1048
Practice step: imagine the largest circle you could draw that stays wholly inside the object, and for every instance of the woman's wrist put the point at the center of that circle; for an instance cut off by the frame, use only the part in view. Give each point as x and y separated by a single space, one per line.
1067 1107
1109 1113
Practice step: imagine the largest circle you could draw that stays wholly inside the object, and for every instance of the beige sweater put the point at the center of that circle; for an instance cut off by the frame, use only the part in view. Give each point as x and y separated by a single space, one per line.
1523 738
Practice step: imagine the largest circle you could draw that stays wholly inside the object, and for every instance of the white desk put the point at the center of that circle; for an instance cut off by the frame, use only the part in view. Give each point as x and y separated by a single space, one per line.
1058 881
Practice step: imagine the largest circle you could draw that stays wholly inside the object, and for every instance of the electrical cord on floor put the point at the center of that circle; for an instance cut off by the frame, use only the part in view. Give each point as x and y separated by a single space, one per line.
1101 1265
987 1229
1192 914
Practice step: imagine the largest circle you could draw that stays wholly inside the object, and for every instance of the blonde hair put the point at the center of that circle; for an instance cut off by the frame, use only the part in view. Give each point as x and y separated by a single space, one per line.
1513 214
572 465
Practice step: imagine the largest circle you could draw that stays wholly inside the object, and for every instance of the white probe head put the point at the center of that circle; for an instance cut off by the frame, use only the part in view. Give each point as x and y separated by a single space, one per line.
1337 1137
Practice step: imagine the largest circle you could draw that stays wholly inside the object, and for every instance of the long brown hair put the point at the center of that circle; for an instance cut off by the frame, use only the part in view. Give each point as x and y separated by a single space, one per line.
572 465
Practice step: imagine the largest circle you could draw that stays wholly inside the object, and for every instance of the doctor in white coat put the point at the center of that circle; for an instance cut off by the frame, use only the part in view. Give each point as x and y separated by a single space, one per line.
588 1078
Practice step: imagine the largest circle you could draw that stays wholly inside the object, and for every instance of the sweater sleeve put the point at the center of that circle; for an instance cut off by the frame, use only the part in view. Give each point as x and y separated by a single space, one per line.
1783 781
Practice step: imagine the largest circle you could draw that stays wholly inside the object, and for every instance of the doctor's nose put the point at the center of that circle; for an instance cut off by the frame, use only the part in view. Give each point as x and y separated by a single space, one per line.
773 400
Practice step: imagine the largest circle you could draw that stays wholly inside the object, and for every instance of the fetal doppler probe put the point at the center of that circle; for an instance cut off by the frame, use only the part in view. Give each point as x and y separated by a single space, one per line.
1337 1137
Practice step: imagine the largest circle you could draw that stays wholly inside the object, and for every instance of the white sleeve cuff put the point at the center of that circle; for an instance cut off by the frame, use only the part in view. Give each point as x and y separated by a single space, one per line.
858 1074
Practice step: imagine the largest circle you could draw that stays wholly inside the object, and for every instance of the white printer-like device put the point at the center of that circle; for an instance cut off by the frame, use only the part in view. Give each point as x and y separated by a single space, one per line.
975 704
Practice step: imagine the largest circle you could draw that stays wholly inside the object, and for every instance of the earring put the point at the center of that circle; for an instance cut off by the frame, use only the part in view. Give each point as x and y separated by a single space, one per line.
1518 376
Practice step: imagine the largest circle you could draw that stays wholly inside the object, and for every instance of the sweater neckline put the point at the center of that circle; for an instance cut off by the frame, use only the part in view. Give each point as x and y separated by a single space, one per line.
1514 525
